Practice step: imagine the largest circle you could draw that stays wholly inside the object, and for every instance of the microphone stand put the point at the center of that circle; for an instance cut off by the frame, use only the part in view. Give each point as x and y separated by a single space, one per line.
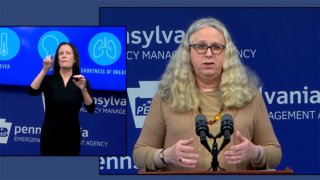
214 151
202 130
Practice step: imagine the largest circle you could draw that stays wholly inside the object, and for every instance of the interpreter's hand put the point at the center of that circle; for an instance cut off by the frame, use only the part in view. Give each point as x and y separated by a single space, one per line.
47 63
80 81
182 154
246 150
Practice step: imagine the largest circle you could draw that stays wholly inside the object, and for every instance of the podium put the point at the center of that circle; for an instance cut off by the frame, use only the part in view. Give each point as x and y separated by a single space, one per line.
286 171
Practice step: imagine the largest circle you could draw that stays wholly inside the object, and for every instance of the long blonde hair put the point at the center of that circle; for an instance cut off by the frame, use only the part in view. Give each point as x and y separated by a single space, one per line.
178 86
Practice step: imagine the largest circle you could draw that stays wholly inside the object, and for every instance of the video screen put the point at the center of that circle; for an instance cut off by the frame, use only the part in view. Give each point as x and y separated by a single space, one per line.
102 52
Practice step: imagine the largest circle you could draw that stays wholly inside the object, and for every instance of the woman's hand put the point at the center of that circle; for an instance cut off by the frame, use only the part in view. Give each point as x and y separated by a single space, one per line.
80 81
246 150
47 63
182 153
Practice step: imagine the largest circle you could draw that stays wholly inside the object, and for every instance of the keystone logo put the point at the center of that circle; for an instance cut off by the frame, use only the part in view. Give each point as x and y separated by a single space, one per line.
5 128
140 100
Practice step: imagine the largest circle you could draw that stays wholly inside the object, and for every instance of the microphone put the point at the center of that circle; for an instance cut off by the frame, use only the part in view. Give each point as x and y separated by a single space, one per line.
226 129
202 130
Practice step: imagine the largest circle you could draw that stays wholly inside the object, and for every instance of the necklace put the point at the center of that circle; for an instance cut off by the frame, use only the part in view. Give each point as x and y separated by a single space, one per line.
216 118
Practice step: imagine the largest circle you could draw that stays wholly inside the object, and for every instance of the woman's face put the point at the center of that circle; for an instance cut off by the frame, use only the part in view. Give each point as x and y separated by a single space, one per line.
65 56
207 63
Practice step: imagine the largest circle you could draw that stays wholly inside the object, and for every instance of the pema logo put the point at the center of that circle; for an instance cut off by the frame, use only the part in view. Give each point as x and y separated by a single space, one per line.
5 128
140 100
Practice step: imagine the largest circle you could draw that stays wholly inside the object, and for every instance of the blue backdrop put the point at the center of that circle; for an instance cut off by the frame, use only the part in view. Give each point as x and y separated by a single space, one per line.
21 117
280 44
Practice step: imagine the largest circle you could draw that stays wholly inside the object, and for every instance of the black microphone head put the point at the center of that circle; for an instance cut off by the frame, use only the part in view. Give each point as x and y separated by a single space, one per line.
226 124
202 130
201 124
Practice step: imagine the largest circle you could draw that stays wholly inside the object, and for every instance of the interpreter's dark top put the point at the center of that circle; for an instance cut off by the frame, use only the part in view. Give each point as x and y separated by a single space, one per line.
60 133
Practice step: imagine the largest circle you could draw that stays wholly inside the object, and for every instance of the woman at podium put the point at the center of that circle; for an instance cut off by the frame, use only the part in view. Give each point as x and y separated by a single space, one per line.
206 77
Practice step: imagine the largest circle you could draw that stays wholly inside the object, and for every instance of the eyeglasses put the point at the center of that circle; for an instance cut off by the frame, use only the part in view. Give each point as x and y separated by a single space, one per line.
202 48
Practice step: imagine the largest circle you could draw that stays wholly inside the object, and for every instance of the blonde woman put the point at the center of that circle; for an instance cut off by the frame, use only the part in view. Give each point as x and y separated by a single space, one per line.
206 76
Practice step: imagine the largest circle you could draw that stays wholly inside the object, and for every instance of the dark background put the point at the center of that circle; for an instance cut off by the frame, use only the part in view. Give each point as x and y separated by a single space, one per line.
86 12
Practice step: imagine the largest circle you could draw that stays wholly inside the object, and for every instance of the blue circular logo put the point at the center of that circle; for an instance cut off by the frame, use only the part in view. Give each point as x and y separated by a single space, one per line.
104 48
49 42
9 44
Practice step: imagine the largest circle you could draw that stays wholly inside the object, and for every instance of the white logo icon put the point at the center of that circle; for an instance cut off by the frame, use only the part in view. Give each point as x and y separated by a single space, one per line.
5 128
109 47
4 44
140 100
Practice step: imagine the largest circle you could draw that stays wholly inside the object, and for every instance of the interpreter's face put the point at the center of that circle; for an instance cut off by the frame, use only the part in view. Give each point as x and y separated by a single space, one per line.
65 56
207 65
